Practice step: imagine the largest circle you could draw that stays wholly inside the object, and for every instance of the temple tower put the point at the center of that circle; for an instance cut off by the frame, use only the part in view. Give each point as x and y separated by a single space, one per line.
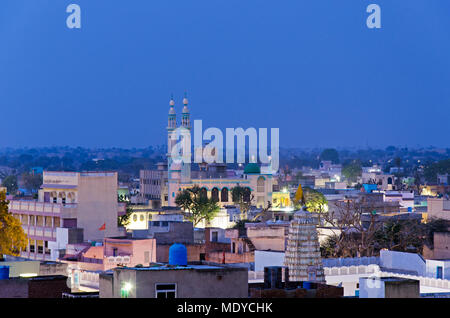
302 255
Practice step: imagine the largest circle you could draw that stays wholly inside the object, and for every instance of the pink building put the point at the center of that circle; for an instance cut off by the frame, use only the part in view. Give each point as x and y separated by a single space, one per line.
87 262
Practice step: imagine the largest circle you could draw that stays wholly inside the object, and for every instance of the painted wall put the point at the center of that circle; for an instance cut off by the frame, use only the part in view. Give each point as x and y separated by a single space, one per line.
268 258
403 261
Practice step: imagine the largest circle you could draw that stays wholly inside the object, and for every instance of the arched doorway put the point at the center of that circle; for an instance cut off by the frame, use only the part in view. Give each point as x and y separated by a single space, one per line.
204 192
215 194
224 195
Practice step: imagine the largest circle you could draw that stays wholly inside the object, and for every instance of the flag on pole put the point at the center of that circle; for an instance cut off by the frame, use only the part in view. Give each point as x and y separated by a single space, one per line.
103 227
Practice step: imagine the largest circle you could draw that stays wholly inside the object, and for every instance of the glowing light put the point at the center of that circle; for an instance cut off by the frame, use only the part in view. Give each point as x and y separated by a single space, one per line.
27 275
127 287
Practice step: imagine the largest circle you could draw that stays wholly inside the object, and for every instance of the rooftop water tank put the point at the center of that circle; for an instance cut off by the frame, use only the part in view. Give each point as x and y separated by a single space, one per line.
4 272
178 254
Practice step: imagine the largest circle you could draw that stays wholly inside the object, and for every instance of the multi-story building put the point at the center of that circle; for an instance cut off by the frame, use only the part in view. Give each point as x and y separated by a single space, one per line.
71 207
152 183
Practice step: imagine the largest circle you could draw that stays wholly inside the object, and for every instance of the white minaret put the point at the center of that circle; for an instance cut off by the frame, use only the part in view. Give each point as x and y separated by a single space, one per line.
173 169
186 133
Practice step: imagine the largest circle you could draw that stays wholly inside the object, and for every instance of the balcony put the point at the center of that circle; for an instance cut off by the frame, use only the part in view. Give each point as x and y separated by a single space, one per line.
40 231
42 208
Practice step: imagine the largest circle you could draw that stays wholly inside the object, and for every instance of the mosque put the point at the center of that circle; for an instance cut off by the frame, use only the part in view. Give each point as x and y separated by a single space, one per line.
213 178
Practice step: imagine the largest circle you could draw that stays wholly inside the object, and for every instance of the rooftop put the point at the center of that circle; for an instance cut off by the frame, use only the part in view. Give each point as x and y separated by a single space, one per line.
192 266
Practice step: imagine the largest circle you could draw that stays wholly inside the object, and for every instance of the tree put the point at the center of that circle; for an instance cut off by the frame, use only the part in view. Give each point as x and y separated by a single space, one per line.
328 246
407 235
243 198
330 154
32 182
352 171
199 207
10 182
12 237
315 201
353 237
432 170
400 235
124 220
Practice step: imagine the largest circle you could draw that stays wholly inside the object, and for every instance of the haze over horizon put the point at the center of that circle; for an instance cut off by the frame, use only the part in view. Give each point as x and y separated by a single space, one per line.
311 68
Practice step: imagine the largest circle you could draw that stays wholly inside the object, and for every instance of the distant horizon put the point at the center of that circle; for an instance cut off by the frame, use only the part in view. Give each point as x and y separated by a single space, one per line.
338 148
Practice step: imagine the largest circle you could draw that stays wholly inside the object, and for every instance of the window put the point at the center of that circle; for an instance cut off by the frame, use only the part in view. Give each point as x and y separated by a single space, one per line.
32 247
260 184
46 249
40 245
141 218
135 218
439 272
215 194
165 223
39 220
214 236
224 195
166 291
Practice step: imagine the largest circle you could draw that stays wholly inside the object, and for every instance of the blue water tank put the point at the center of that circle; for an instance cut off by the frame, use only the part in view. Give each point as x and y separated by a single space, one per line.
307 285
4 272
178 254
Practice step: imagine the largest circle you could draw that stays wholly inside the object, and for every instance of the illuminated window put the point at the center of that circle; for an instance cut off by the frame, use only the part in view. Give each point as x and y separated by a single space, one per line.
166 291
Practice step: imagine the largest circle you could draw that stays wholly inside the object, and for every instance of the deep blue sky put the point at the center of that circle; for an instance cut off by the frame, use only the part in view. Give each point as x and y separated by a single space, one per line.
310 67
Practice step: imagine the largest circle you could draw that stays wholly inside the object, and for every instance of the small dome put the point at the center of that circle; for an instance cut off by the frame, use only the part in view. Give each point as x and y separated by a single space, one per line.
185 109
185 101
172 111
172 102
252 168
178 255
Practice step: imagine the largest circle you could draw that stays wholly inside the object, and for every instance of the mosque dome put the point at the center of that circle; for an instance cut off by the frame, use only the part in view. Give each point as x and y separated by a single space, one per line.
172 111
252 168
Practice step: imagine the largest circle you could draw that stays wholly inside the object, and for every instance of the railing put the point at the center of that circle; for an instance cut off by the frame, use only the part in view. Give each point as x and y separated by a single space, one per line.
356 261
43 207
375 269
40 231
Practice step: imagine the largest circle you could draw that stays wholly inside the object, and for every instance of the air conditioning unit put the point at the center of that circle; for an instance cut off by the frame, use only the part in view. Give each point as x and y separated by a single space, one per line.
119 259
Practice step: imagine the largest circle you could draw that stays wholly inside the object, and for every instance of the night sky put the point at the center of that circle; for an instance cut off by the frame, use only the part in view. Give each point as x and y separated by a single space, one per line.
309 67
